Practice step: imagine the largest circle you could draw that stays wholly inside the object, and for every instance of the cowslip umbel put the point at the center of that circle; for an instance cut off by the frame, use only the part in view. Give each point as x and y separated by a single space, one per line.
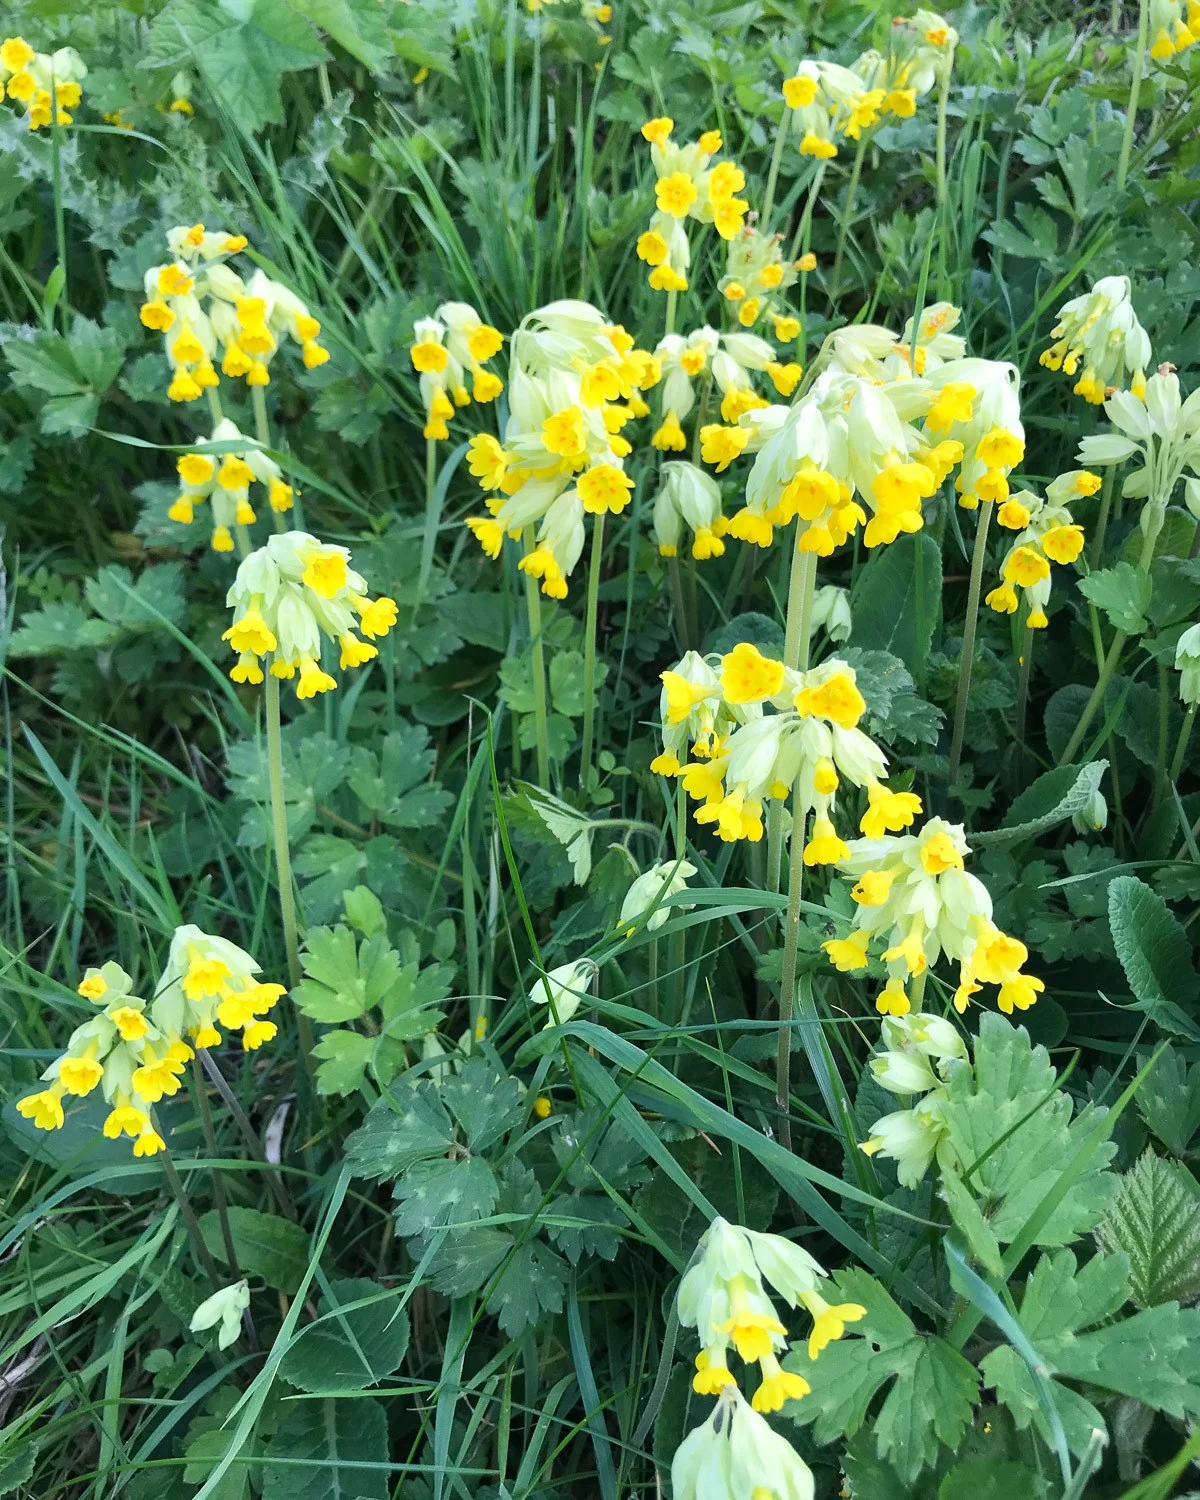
1046 533
694 715
688 497
688 185
918 1052
649 890
135 1051
915 901
682 360
737 1455
223 479
722 1296
756 279
875 351
975 406
1162 430
47 84
202 306
446 348
1173 27
287 596
1098 338
574 382
810 742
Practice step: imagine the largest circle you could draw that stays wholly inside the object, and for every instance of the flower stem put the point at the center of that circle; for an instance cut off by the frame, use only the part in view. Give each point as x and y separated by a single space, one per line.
283 862
773 171
1185 734
533 606
1027 639
672 301
847 214
262 431
1135 89
204 1110
803 229
248 1133
589 649
800 593
943 101
188 1215
1106 495
968 645
430 511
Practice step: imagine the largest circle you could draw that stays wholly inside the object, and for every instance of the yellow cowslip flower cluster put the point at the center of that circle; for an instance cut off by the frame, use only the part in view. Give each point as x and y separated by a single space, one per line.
723 1298
743 757
919 1051
47 84
756 277
575 380
914 895
827 100
688 186
1099 332
200 304
136 1051
682 360
290 593
597 13
737 1455
224 480
875 351
687 496
729 361
1174 26
1047 534
448 346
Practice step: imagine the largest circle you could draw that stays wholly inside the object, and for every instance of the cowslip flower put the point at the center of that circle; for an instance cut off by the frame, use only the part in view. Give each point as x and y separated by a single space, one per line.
723 1298
693 713
564 989
445 349
811 743
1169 31
1187 664
687 496
224 1307
756 279
290 593
915 898
688 185
1162 430
49 85
918 1053
1098 338
1047 533
224 479
651 889
875 351
737 1455
682 361
135 1051
975 407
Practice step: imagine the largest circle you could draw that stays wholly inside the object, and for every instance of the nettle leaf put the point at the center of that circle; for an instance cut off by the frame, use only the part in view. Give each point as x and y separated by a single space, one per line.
1169 1100
1012 1132
267 1245
351 1347
1050 800
1156 955
1123 593
933 1389
241 51
399 1131
325 1451
390 784
1155 1221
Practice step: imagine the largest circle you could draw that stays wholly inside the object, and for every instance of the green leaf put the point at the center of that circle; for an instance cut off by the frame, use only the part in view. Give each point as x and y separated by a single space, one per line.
396 1135
440 1191
1156 955
1050 800
324 1450
350 1349
967 1214
356 25
532 1284
1006 1373
70 415
336 989
1155 1221
16 1467
1122 593
395 785
933 1388
1169 1100
984 1479
894 711
1012 1132
98 353
345 1057
267 1246
571 828
566 682
1152 1357
44 363
241 49
137 604
897 598
364 911
485 1102
57 629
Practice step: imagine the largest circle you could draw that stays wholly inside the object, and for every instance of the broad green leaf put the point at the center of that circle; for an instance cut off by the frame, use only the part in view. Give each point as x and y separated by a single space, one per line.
444 1191
572 829
984 1479
16 1467
1152 1357
897 598
60 628
1122 593
894 711
325 1451
344 1058
241 49
350 1349
532 1283
268 1246
132 604
357 25
1156 955
395 785
364 911
345 980
1155 1221
1052 799
484 1102
1006 1373
395 1135
966 1213
45 363
932 1387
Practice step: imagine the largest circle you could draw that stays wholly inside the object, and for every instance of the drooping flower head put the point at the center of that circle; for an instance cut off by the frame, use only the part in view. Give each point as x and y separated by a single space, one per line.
737 1455
756 279
1098 338
1047 533
47 85
688 185
223 479
917 1053
1174 26
650 890
286 597
688 497
135 1051
445 350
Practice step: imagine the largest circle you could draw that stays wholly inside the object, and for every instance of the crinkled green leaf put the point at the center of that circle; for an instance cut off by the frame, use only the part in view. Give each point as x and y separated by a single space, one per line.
444 1191
1155 1221
1156 955
397 1134
1123 593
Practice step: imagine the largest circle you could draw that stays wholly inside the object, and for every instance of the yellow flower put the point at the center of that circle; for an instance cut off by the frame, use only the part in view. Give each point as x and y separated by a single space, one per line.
1021 991
726 179
825 847
1025 567
194 468
1063 544
313 680
682 695
893 1000
849 953
874 887
675 194
666 764
889 812
670 436
205 976
710 142
148 1143
313 354
1002 599
656 131
721 445
664 279
125 1119
829 1322
92 987
251 634
747 676
800 91
604 488
542 1106
777 1386
79 1075
712 1373
157 315
325 573
376 616
131 1023
429 357
564 433
652 248
750 1332
837 698
787 329
938 855
280 495
955 403
16 54
257 1033
910 951
1000 449
44 1109
354 651
488 533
